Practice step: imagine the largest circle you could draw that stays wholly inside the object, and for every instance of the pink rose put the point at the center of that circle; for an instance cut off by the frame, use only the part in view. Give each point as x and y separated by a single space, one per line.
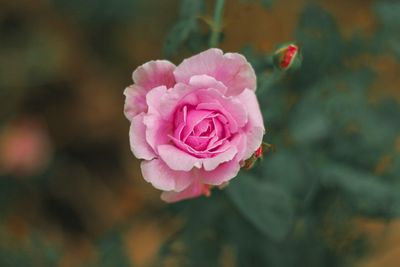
193 125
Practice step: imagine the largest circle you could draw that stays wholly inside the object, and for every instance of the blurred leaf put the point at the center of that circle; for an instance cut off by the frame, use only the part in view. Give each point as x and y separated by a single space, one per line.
112 251
34 251
265 3
388 14
309 125
94 13
293 179
186 25
258 61
366 193
320 41
178 35
200 235
8 194
267 207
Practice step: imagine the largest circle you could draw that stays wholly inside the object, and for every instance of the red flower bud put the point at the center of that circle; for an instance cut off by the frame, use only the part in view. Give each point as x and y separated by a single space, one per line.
287 57
259 152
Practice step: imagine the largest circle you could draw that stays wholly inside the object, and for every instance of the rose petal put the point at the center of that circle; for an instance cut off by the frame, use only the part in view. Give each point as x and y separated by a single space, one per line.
206 82
245 76
164 101
194 117
185 147
180 118
194 190
240 142
231 107
137 138
223 173
255 127
231 69
162 177
157 130
154 73
213 162
160 101
249 100
177 159
199 143
135 101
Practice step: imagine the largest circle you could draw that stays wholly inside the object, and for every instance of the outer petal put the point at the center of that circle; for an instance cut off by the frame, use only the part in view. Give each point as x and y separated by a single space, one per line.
157 119
232 69
194 190
212 163
157 130
146 77
223 173
137 138
162 177
135 101
154 73
177 159
254 129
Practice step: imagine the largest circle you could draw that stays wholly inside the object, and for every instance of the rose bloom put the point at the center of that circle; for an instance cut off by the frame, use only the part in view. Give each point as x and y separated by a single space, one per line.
193 124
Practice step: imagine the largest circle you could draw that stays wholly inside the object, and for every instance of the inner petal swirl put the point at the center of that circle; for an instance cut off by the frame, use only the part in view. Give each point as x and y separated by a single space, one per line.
200 132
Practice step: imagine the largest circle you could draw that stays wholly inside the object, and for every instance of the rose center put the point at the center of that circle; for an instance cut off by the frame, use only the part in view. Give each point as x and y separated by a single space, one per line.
200 132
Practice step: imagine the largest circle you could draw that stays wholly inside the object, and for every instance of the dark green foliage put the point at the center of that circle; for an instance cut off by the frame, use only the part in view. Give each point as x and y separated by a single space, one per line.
388 15
265 3
98 12
318 36
186 29
365 192
112 252
36 251
266 206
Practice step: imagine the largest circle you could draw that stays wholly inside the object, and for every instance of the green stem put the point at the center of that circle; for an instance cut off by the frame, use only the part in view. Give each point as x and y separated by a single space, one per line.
216 25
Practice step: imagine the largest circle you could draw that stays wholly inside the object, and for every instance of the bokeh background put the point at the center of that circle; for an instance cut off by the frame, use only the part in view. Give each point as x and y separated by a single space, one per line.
71 192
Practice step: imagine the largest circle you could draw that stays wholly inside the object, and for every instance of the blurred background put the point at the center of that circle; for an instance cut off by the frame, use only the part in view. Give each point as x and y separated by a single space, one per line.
71 192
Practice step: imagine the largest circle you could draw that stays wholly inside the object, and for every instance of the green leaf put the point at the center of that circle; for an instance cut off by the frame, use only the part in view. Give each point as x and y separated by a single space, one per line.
112 251
388 35
186 25
266 3
293 179
320 41
388 13
266 206
98 12
179 34
35 251
366 193
308 125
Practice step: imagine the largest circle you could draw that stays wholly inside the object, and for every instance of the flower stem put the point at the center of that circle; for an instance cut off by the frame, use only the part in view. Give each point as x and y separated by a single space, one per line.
216 24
